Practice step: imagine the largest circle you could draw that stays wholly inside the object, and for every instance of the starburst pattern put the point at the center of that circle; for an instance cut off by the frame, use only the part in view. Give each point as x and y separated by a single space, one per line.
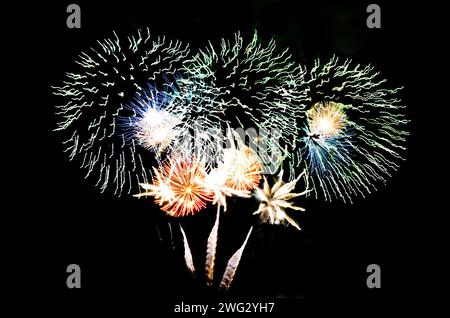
276 199
179 187
325 120
244 168
157 120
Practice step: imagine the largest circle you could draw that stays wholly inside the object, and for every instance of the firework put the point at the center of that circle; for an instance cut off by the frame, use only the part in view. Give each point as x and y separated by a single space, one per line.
218 182
274 201
157 120
179 187
142 102
233 264
329 139
240 168
173 121
255 87
187 252
326 120
211 249
93 99
244 169
354 135
160 189
237 171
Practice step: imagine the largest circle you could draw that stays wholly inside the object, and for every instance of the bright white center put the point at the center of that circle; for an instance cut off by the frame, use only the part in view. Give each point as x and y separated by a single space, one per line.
325 125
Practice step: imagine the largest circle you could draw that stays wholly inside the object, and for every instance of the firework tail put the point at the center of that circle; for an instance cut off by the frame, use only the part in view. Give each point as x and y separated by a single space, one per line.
187 253
211 250
172 243
233 264
159 233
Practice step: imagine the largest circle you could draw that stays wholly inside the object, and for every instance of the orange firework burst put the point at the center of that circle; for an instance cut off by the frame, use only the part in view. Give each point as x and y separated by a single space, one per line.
179 187
244 169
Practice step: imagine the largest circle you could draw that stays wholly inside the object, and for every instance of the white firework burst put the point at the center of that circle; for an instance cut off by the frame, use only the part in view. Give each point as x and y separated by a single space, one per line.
93 98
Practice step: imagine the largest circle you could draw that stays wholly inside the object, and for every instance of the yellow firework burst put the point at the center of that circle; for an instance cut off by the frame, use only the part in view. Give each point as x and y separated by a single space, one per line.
244 169
326 119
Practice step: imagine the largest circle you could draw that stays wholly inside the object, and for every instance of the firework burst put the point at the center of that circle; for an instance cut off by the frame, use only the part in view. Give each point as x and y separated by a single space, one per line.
328 140
244 171
355 131
237 172
255 86
276 199
216 181
93 100
179 187
156 122
326 120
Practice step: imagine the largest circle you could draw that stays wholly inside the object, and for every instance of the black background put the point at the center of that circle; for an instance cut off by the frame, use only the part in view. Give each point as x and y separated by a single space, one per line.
57 218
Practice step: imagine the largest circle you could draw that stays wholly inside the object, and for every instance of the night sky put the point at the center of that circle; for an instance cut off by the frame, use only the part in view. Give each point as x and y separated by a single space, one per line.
125 248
